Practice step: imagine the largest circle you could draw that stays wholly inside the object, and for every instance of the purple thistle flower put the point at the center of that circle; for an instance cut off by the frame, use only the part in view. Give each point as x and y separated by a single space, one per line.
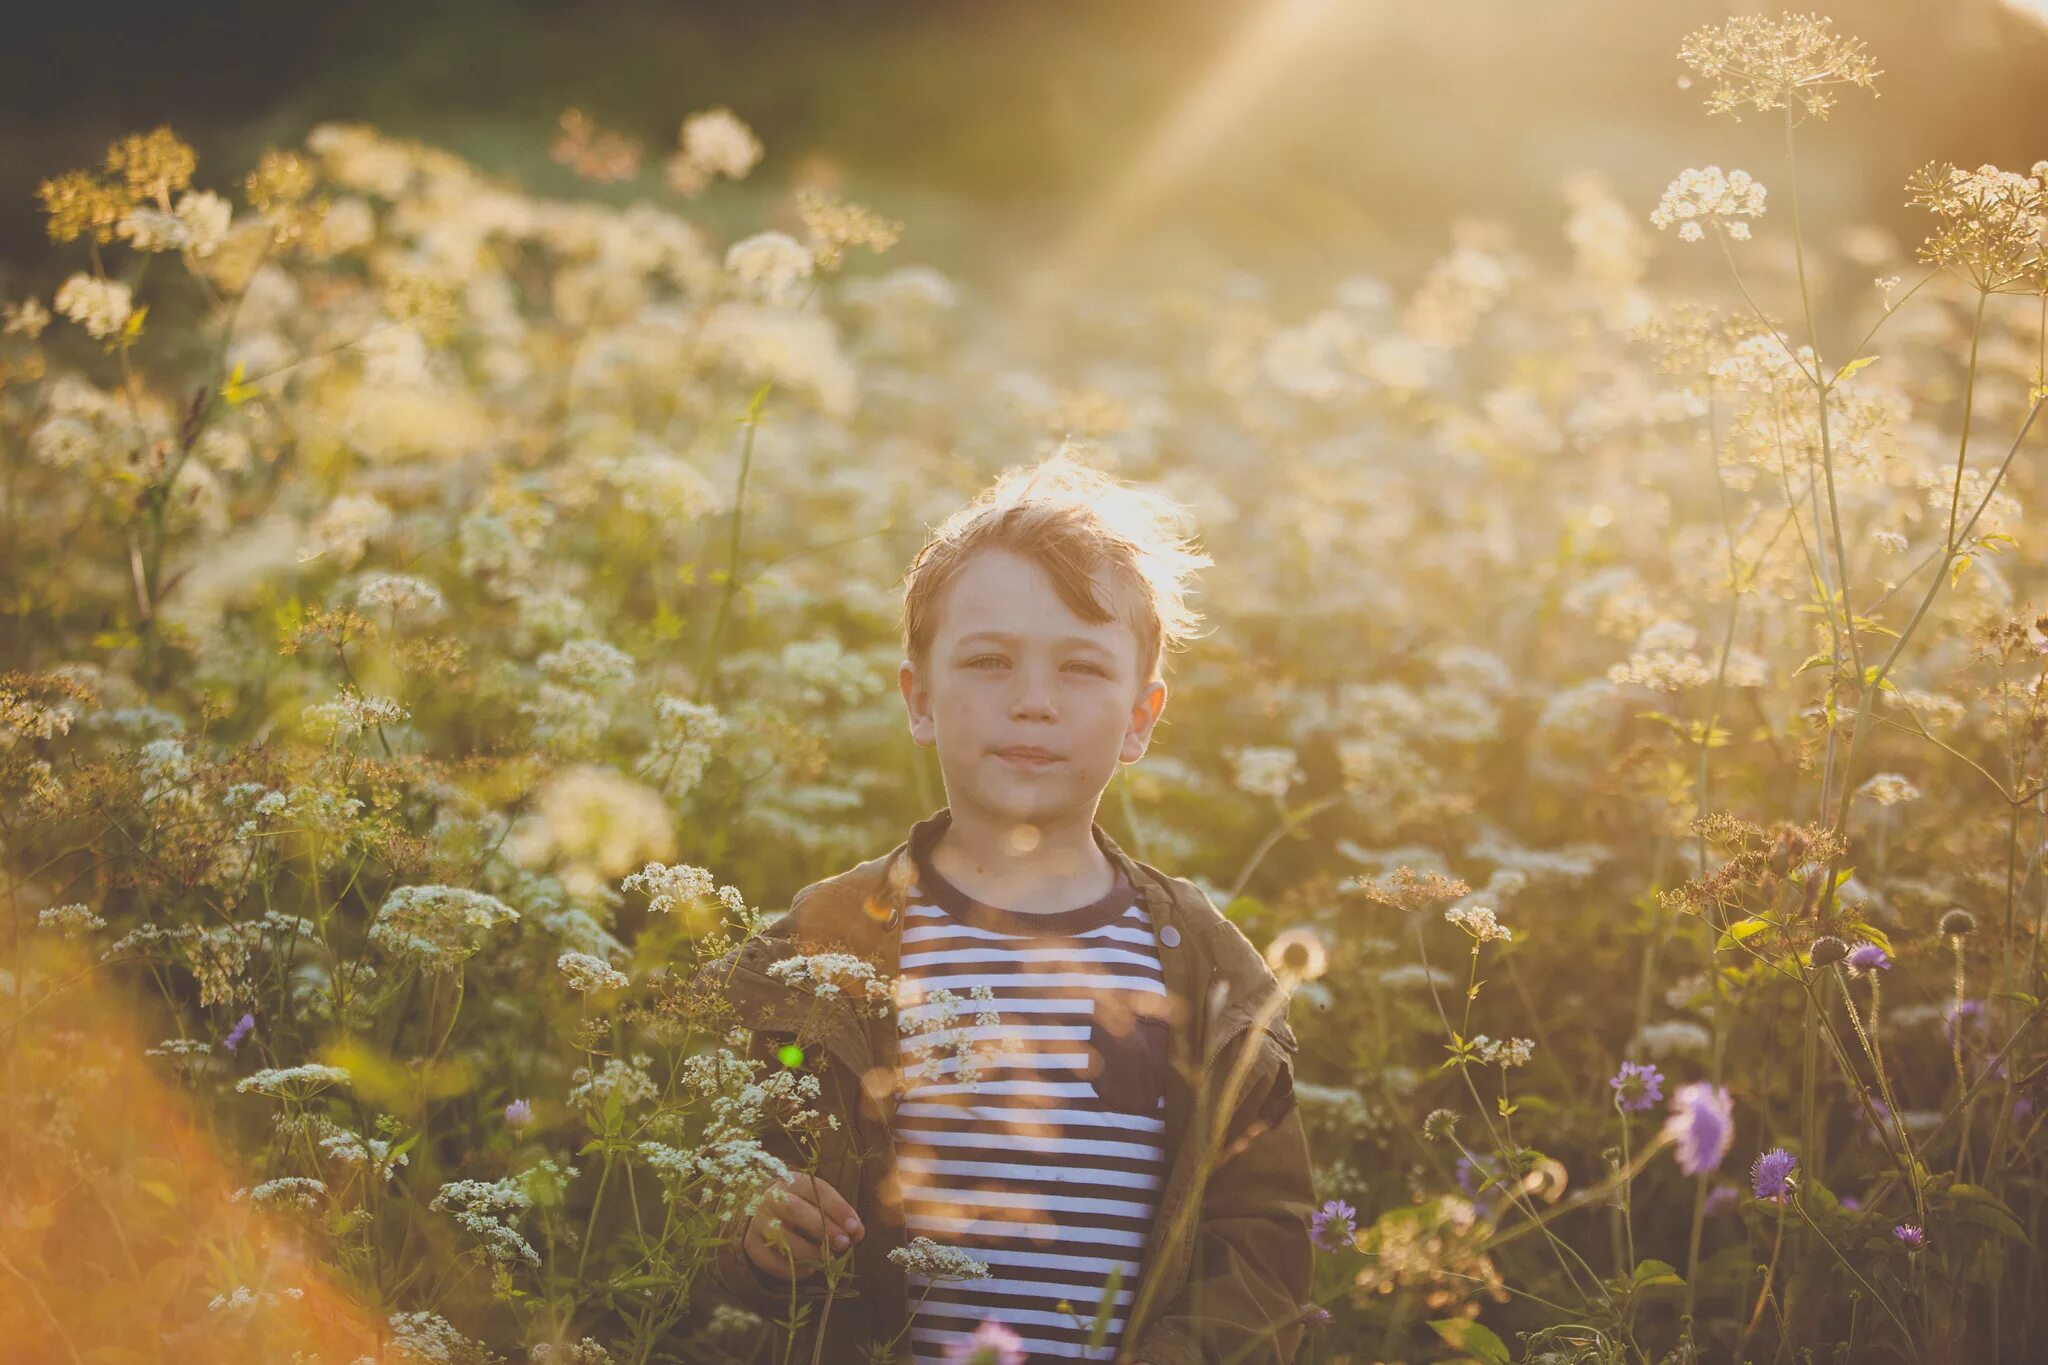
1851 1202
1722 1198
519 1113
1702 1124
991 1344
242 1029
1866 958
1332 1227
1911 1235
1771 1176
1637 1086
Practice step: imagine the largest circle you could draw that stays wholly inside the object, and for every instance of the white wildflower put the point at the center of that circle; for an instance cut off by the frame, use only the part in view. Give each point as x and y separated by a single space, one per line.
300 1082
438 927
401 593
100 306
70 920
587 663
1706 195
290 1191
586 973
1889 789
770 265
1265 770
351 713
1479 922
923 1257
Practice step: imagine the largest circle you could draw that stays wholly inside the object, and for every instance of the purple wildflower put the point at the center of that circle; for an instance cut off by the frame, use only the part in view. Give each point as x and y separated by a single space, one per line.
1637 1086
1702 1124
1771 1176
1332 1227
1722 1198
1851 1202
1911 1235
1314 1314
991 1344
242 1029
1866 958
519 1113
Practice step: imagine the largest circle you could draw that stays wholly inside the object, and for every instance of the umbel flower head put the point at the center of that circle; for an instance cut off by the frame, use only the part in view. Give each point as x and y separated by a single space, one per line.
1990 224
1788 62
439 927
1705 195
1702 1124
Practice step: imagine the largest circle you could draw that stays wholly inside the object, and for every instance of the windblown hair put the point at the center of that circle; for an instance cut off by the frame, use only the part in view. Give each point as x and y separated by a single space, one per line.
1075 523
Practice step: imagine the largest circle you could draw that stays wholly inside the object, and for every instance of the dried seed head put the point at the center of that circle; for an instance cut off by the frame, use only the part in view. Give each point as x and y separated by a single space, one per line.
1828 951
1958 923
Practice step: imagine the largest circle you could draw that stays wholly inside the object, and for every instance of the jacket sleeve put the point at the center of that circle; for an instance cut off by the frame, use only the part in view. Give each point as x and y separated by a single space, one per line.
1253 1260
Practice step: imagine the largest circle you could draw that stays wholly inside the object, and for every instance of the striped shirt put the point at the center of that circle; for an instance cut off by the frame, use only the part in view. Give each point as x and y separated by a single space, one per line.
1046 1159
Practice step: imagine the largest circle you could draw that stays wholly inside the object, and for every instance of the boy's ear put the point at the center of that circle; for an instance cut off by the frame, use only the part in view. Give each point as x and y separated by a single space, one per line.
1144 716
918 701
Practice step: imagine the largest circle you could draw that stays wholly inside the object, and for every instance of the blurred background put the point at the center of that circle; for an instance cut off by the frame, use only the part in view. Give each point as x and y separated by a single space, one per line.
1291 138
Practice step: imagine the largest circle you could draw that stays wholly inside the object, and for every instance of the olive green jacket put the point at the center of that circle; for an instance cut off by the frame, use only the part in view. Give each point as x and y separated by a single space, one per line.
1225 1271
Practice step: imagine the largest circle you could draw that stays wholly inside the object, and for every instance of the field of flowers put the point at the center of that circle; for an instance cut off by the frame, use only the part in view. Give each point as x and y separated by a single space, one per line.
434 618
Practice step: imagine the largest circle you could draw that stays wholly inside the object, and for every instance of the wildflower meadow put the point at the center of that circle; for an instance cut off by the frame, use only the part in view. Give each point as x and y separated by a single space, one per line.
436 619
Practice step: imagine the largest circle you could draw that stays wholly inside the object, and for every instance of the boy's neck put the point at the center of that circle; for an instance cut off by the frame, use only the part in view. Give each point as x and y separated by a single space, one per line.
1000 863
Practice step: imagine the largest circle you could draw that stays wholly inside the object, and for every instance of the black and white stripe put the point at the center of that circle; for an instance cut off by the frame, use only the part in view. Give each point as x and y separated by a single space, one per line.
1049 1168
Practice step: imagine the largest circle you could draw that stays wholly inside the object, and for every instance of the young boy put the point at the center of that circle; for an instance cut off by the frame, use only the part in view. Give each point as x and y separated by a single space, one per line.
1118 1121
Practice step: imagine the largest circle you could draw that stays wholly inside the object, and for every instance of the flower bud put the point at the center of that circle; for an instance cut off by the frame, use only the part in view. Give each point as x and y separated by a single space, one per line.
1826 952
1958 923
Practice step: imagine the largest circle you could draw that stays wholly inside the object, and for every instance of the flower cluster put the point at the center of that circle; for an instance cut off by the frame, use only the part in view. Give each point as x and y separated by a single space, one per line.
1479 922
1706 196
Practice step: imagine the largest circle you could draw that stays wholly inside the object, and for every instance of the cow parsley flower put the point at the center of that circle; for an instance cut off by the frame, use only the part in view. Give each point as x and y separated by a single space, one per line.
102 307
685 888
1479 922
586 973
70 920
290 1191
769 265
438 927
1706 195
922 1256
1788 61
300 1082
1265 770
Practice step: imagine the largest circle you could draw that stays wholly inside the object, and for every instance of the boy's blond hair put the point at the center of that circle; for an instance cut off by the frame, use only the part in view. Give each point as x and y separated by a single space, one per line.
1074 522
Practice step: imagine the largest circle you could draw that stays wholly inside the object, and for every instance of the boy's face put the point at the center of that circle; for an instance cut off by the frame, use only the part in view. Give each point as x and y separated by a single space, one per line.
1012 667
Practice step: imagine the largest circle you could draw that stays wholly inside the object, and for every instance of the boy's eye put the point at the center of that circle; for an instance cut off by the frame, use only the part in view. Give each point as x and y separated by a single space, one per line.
981 659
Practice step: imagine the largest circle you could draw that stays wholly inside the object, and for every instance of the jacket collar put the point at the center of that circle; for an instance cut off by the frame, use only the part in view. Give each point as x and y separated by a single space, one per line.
1206 961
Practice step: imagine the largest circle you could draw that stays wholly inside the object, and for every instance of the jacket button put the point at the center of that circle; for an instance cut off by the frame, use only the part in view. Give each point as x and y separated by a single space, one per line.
1169 935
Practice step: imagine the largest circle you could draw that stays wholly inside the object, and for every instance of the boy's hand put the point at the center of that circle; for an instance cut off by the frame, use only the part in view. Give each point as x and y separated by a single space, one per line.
814 1218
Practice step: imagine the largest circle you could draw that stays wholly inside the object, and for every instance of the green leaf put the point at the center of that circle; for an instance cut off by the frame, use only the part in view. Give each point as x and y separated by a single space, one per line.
1740 930
1654 1274
1986 1209
1473 1338
1858 363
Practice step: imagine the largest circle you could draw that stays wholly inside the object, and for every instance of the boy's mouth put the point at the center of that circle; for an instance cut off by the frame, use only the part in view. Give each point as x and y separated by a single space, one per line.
1028 756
